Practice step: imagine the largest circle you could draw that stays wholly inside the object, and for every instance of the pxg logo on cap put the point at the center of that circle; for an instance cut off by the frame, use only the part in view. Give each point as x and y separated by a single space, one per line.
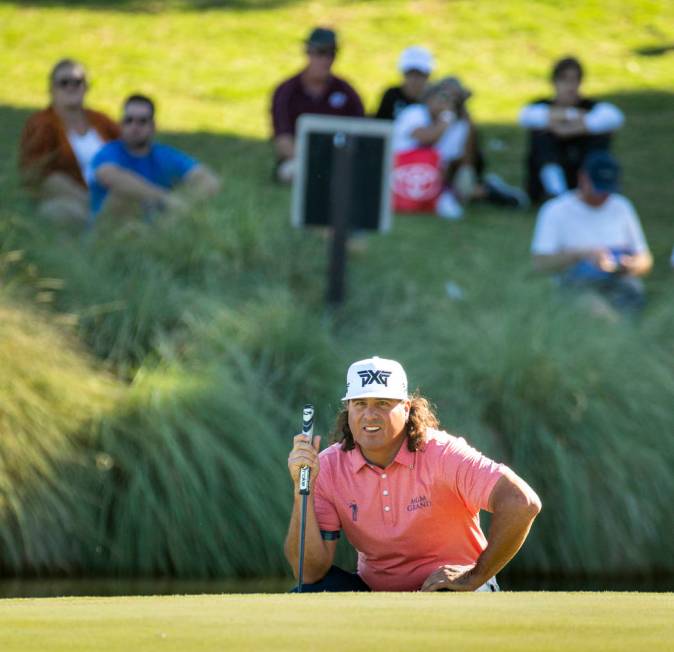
376 378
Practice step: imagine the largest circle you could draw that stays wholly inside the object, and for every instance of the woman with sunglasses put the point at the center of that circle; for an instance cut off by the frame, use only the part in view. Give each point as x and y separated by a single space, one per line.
59 143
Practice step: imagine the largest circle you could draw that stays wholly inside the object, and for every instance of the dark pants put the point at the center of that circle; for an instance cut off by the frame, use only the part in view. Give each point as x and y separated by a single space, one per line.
339 580
473 156
568 153
624 293
335 580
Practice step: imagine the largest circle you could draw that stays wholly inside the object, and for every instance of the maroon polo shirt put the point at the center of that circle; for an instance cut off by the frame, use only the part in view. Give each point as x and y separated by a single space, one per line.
290 101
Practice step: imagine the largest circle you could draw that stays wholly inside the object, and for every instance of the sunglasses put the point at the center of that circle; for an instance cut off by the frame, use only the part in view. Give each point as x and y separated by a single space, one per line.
138 119
70 82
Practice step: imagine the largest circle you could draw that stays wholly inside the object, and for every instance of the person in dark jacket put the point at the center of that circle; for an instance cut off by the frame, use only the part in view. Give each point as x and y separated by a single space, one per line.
563 130
313 90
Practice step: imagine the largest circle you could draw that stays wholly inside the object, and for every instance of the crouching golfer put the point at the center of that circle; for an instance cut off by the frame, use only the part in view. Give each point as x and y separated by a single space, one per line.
406 494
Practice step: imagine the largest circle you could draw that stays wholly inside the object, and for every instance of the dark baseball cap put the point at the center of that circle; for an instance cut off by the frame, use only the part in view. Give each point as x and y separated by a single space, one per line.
603 171
322 37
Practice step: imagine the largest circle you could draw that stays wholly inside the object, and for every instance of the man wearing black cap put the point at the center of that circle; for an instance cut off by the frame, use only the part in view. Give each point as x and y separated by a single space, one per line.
314 90
592 237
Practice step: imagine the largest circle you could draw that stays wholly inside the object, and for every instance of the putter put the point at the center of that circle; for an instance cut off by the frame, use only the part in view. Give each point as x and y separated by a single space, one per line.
305 473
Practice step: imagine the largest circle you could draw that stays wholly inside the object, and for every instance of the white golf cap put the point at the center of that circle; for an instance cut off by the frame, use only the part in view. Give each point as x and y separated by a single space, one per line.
376 378
416 58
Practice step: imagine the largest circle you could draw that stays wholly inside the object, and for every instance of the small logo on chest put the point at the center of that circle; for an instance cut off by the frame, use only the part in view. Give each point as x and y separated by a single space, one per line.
418 502
354 511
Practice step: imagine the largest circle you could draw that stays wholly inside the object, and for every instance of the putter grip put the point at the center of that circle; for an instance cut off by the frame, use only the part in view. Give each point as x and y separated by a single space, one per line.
307 429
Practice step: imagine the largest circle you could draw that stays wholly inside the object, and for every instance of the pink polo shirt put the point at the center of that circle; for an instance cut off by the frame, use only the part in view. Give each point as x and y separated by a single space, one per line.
417 514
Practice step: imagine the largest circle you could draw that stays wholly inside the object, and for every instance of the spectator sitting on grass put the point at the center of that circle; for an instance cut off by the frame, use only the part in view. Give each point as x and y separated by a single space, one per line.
314 90
58 144
136 177
563 130
416 64
442 122
592 239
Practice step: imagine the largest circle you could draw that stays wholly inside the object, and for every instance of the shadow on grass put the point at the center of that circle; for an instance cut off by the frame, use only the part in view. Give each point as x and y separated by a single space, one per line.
143 6
654 50
642 146
231 155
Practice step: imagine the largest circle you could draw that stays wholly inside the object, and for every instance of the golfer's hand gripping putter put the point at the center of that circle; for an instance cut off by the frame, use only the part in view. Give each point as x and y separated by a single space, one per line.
307 429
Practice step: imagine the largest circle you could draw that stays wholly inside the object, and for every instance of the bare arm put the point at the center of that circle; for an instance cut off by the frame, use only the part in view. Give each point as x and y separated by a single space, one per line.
558 262
129 184
637 264
432 134
515 505
200 183
318 554
285 146
567 122
633 264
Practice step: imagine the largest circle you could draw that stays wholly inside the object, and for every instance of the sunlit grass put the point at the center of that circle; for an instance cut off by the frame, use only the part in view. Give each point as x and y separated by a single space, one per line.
515 622
152 375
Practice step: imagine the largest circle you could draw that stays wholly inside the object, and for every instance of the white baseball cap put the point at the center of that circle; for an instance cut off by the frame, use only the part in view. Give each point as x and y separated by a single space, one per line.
376 378
416 58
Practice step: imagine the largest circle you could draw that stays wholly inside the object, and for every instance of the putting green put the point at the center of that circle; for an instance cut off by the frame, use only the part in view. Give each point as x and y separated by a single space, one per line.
393 621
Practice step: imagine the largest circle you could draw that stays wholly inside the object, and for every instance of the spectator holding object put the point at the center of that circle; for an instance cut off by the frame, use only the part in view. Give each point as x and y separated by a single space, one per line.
406 494
136 177
58 144
563 130
592 239
313 90
416 64
438 164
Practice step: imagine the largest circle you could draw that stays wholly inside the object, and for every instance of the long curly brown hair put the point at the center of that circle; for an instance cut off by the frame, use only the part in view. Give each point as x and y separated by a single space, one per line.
421 416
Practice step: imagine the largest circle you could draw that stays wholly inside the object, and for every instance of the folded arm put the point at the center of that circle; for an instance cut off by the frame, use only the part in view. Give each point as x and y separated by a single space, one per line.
602 118
129 184
514 505
638 264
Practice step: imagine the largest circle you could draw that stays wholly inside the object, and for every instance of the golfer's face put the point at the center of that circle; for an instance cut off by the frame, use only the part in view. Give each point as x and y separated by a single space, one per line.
377 424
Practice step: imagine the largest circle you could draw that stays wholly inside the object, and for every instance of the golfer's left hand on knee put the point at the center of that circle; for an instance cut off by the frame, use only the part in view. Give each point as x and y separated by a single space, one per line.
451 578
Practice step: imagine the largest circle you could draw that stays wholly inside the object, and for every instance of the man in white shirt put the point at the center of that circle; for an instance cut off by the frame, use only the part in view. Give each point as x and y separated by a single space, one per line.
563 130
592 237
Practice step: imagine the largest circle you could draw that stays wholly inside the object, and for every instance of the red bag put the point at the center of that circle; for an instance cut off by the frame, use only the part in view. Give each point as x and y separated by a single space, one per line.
417 180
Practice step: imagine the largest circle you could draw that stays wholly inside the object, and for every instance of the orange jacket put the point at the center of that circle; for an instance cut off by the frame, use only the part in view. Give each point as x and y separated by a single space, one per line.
45 147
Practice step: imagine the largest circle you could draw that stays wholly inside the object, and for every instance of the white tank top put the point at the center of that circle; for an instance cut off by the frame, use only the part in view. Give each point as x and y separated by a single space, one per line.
85 148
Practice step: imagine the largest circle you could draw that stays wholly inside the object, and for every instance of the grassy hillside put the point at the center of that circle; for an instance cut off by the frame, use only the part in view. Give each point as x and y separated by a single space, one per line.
179 356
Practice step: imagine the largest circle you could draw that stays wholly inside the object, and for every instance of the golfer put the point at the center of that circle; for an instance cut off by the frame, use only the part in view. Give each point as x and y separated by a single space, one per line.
406 494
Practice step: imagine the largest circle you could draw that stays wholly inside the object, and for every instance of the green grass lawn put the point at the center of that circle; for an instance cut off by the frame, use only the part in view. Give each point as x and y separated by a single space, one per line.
517 622
152 378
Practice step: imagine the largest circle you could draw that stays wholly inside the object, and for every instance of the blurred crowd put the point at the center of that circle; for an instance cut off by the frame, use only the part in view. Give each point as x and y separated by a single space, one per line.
82 166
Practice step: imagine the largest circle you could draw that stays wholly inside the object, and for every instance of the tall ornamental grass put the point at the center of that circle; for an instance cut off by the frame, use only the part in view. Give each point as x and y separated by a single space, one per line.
581 408
214 324
50 393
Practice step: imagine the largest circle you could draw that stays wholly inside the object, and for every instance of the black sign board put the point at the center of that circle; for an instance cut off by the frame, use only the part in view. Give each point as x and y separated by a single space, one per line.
343 162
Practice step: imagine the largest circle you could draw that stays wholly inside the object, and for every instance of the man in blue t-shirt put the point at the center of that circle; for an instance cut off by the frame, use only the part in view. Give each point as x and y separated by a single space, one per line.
136 177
